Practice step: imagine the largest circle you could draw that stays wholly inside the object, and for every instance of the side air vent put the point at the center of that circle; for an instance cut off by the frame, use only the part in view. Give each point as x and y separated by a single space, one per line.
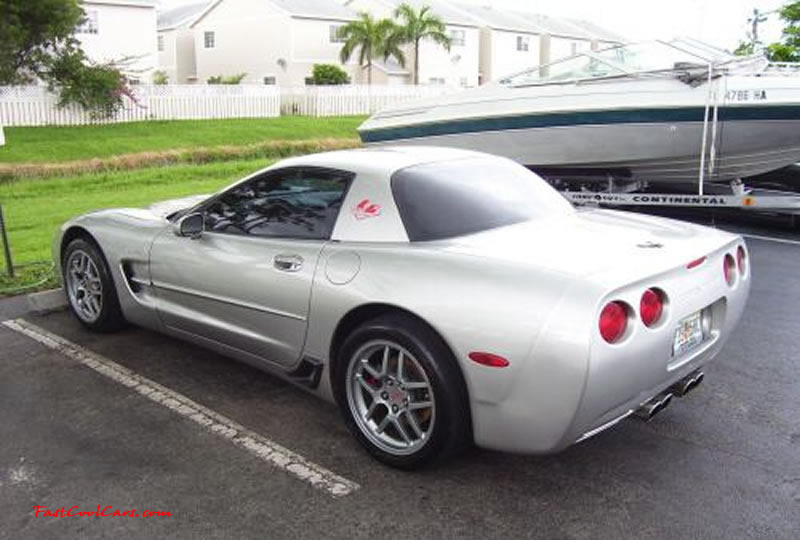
135 283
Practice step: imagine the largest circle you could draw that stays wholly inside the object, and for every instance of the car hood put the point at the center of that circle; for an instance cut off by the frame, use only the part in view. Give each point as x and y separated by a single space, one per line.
588 242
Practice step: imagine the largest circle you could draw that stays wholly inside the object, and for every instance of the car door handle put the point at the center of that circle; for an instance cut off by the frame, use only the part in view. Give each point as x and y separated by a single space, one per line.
288 263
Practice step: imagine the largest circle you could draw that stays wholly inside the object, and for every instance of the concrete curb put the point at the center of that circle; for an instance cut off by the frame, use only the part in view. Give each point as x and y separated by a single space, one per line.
47 301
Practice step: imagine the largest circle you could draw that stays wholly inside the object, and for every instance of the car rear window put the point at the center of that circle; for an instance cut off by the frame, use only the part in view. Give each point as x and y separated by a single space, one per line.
454 198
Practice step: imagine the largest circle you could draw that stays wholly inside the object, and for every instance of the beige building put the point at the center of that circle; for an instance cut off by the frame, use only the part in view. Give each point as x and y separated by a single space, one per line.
116 30
279 41
176 43
271 41
512 41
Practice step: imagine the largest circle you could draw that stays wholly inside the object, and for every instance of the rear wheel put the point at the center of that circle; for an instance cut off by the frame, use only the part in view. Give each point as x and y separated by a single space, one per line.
401 393
90 288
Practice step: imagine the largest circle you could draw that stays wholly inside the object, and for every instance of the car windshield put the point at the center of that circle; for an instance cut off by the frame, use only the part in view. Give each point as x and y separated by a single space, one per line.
622 60
455 198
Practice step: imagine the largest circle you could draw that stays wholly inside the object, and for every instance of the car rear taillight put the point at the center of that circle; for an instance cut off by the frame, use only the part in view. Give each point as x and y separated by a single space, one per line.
728 267
613 321
651 307
741 260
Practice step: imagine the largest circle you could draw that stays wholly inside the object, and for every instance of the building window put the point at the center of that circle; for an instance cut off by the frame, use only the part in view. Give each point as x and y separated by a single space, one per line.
464 82
89 24
574 47
334 33
436 80
160 43
523 43
457 37
210 40
270 80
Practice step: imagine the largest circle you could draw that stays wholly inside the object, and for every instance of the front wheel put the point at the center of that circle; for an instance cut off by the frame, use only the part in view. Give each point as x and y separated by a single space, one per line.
90 287
401 392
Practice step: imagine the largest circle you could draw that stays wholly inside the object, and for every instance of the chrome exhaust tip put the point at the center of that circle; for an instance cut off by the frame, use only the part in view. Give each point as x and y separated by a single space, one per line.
657 404
687 384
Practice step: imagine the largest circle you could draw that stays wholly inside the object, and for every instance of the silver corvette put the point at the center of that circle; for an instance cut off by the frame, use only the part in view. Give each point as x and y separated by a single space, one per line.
440 297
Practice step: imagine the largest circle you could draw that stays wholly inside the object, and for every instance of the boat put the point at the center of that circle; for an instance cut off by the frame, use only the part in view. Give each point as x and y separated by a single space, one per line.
667 112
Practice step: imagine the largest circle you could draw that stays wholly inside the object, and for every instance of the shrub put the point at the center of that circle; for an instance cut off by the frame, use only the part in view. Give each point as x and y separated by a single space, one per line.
328 74
232 79
160 77
98 88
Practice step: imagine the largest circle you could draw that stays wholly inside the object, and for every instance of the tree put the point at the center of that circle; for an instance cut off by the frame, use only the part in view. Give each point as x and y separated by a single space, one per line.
744 49
98 88
37 43
374 39
788 50
328 74
418 26
33 33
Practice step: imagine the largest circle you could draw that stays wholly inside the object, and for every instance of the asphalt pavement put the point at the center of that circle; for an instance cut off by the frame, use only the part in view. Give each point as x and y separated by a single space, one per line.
723 462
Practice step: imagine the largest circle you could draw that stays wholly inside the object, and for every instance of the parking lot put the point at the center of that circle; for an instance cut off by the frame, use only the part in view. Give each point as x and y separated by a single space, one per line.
722 462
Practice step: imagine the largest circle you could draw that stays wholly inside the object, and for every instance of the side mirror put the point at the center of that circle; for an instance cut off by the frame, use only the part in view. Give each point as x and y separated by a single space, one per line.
190 225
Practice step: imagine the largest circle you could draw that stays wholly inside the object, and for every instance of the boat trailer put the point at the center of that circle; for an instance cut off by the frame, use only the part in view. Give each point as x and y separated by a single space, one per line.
755 200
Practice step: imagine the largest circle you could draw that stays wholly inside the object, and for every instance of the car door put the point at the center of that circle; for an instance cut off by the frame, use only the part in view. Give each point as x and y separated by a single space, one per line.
245 282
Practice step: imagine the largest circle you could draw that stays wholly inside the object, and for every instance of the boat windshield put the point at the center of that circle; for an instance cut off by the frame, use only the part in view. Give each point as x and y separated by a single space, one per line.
622 60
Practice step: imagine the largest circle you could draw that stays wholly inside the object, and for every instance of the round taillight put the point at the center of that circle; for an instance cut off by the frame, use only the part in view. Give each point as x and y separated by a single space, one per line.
651 307
741 260
613 321
728 266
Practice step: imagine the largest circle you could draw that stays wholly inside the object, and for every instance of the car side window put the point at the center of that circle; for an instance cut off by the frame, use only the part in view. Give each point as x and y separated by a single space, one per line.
294 203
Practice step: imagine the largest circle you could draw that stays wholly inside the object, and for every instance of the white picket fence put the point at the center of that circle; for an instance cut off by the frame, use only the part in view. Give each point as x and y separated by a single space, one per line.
35 106
349 99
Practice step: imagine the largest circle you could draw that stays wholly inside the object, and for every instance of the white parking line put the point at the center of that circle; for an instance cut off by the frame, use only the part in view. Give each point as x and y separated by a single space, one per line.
771 239
259 446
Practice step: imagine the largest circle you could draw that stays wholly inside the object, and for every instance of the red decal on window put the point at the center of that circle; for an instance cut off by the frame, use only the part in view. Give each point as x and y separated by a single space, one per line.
366 209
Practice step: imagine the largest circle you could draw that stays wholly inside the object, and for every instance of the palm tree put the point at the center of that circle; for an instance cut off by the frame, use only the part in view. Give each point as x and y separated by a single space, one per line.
418 26
374 39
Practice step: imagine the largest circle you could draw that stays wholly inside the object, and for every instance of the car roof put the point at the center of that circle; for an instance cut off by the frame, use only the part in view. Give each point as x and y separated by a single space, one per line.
385 159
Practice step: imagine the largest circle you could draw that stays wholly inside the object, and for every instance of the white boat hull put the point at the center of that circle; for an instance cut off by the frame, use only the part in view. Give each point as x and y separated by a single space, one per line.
620 129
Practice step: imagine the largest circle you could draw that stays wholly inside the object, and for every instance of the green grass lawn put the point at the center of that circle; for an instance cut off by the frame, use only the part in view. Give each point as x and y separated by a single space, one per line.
34 209
69 143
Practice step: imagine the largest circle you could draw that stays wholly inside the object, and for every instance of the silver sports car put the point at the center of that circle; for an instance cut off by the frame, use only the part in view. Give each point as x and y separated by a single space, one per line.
440 297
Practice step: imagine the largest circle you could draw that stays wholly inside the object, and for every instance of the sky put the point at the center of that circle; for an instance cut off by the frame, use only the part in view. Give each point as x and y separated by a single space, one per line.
719 22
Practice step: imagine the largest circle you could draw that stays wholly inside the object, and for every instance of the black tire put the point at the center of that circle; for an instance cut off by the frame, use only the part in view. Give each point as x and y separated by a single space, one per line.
109 317
451 432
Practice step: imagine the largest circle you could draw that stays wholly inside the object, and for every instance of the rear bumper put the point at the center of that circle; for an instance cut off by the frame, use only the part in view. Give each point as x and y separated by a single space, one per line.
613 380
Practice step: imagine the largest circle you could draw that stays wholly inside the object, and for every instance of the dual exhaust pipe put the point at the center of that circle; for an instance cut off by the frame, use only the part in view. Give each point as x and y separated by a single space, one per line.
658 403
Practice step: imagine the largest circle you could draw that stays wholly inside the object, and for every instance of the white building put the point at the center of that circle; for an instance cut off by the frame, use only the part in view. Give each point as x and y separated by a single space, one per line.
176 42
457 67
116 30
271 41
512 41
508 43
601 38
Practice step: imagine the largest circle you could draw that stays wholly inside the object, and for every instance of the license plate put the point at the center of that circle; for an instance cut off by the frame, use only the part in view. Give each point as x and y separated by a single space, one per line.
688 335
